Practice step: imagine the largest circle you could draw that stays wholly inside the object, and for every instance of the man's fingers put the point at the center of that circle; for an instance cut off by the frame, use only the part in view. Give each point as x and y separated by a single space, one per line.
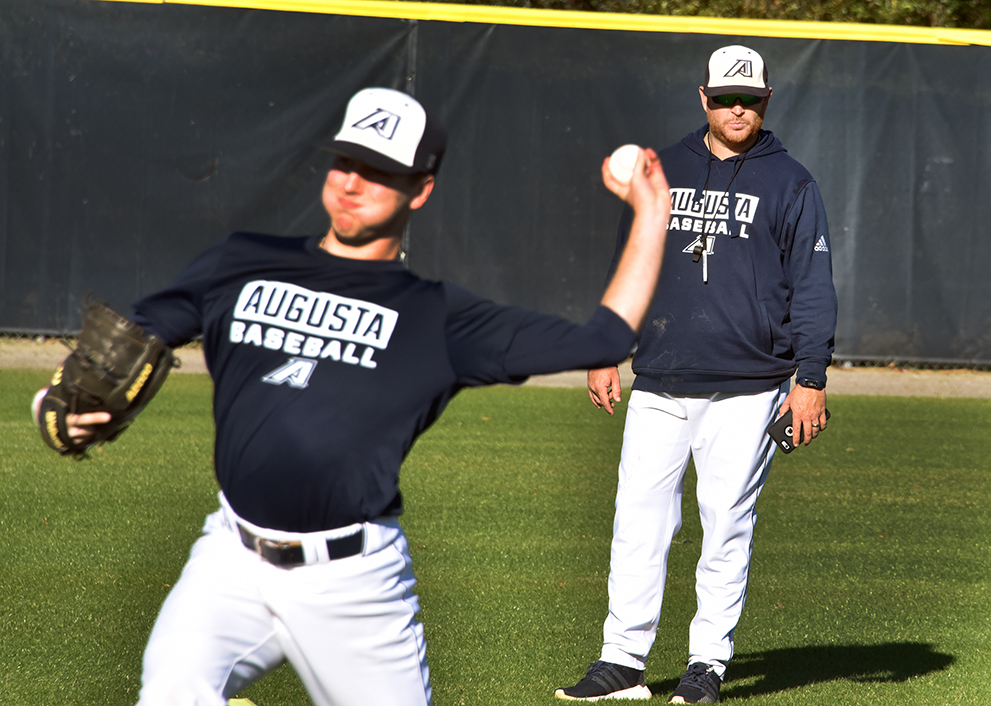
822 421
601 398
808 429
592 395
808 409
648 182
620 189
79 420
655 172
81 425
604 388
609 407
816 426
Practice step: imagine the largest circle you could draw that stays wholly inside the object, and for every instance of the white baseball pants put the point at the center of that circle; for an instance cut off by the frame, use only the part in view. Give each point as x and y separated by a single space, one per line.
348 626
725 434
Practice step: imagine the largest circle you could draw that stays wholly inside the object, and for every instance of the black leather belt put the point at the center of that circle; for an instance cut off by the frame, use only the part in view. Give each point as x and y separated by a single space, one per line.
290 554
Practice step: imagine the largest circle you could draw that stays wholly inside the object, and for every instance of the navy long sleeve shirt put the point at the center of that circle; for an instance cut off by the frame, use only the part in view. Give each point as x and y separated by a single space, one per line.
327 369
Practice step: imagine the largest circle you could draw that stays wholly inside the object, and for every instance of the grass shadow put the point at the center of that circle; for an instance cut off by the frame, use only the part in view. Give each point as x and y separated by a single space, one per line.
791 668
780 670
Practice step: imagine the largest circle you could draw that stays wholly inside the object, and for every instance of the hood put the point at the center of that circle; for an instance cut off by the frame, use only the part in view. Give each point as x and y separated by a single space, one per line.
767 144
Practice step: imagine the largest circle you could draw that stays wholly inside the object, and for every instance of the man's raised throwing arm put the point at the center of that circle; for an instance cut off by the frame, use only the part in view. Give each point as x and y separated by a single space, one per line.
631 289
640 264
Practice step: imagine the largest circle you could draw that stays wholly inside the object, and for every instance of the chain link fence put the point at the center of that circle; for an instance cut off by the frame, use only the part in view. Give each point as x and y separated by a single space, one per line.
839 361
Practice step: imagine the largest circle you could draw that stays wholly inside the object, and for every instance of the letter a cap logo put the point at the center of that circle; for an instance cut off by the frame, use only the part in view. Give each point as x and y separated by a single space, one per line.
736 69
391 131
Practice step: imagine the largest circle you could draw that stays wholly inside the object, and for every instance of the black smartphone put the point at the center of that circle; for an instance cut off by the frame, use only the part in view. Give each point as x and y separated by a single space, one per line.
781 431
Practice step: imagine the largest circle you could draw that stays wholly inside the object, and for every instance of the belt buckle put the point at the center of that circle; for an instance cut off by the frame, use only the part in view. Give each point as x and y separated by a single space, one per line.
282 554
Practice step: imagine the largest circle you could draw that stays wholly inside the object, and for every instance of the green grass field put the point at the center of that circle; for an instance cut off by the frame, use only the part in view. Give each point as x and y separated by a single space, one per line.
871 581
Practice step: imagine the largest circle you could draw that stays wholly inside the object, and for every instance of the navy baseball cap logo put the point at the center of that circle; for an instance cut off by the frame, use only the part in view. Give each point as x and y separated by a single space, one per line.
390 131
381 121
742 67
736 69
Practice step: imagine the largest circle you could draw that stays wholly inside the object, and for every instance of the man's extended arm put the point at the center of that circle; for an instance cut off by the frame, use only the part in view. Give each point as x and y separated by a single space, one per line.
639 264
632 286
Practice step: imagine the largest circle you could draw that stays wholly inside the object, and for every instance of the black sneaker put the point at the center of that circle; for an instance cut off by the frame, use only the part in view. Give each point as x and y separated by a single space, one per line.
699 685
605 680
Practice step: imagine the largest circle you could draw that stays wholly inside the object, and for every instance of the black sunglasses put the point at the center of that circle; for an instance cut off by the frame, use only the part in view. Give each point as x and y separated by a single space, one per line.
730 99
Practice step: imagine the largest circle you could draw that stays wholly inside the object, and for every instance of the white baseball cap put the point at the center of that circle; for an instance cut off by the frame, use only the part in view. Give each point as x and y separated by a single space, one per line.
736 69
391 131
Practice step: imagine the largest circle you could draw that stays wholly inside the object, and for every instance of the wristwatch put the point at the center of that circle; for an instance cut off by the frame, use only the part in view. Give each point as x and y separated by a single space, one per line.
809 382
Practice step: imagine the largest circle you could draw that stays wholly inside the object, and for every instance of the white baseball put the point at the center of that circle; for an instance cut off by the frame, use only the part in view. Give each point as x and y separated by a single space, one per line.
36 406
622 161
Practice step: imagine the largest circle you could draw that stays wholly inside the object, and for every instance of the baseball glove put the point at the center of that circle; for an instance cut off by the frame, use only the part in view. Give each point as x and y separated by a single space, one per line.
116 368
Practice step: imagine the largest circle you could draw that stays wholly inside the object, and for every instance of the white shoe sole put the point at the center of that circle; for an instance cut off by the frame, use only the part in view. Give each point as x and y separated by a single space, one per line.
638 693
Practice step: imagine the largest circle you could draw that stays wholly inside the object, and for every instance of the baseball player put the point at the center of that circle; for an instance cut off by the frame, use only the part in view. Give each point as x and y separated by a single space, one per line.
746 299
329 359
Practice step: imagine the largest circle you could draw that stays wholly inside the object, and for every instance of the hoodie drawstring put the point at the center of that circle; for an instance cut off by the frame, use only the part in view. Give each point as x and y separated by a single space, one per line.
701 252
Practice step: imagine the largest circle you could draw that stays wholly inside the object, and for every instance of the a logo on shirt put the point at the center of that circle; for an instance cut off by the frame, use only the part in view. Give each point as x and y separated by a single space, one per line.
821 244
710 215
309 326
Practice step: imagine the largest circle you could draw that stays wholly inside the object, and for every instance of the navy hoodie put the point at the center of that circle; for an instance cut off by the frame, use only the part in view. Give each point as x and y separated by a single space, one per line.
766 305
